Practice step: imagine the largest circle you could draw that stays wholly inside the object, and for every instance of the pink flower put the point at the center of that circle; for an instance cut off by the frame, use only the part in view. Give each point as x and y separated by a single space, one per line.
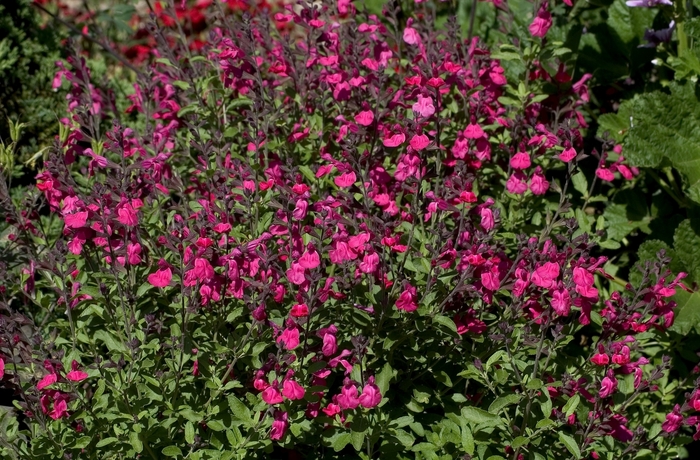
608 385
347 399
48 380
410 35
419 142
568 155
394 140
60 409
203 270
76 220
310 259
133 252
271 395
600 359
623 357
295 274
330 345
538 184
2 368
162 277
515 184
364 118
542 22
473 131
346 179
127 215
407 299
673 420
584 283
292 390
424 107
369 263
300 310
490 280
76 375
487 219
289 337
561 302
605 174
371 396
520 160
545 275
279 426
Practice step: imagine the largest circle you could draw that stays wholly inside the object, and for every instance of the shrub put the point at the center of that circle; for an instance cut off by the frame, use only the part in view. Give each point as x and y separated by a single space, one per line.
342 239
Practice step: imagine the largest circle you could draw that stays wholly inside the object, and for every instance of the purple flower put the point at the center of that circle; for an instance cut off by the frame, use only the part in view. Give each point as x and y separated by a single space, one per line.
656 37
647 3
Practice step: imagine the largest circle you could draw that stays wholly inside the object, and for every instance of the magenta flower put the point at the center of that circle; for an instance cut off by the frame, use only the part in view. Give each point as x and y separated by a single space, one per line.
608 385
394 140
364 118
473 131
48 380
289 337
371 396
310 259
271 395
300 310
419 142
347 399
292 390
162 277
279 426
76 220
76 375
561 302
407 299
542 22
520 160
673 420
647 3
346 179
424 107
568 155
545 275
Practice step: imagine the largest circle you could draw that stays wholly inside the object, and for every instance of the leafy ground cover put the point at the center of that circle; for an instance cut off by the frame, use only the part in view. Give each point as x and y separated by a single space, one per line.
353 230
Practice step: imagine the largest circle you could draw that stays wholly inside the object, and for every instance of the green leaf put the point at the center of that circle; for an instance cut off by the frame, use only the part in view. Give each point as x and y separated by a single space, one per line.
340 440
172 451
479 416
502 402
357 439
189 432
446 322
383 378
106 441
686 241
570 444
136 442
216 425
666 125
687 312
571 405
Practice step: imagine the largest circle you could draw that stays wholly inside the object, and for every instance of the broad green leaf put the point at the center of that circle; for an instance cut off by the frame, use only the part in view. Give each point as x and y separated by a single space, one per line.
172 451
383 378
446 322
340 440
502 402
666 125
570 444
479 416
189 432
571 405
687 312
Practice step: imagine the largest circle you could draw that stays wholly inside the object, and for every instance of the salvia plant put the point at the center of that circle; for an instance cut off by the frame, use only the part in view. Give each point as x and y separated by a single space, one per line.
322 233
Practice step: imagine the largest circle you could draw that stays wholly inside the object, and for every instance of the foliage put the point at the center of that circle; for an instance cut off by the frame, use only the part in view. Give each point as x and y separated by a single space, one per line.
27 56
326 233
